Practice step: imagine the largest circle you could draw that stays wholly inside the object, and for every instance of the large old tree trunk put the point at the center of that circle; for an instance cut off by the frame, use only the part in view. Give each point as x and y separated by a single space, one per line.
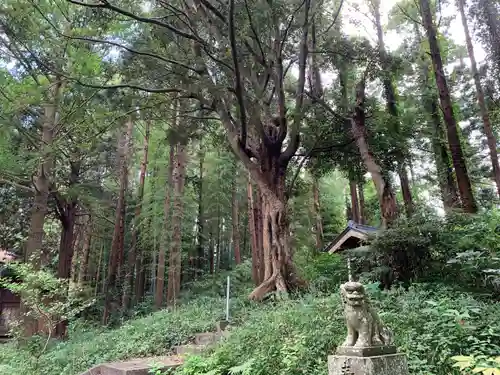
457 156
385 193
279 271
488 131
253 228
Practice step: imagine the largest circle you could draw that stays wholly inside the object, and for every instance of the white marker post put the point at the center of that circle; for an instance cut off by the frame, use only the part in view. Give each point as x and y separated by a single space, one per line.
349 274
227 300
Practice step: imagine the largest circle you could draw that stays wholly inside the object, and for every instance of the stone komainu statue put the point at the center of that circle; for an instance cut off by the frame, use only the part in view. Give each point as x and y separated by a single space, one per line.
364 328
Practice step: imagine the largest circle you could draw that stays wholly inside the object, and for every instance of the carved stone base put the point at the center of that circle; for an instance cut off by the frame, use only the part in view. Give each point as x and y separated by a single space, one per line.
390 364
369 351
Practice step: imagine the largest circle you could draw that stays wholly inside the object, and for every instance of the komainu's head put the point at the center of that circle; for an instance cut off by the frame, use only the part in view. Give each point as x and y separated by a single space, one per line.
353 293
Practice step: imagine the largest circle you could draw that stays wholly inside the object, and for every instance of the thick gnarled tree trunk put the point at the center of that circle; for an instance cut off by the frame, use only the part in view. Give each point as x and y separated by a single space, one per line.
279 271
254 219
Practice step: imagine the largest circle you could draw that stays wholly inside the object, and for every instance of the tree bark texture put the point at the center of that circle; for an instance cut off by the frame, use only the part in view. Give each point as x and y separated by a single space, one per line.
42 181
134 258
235 219
355 214
317 215
444 168
488 130
84 261
385 193
175 259
362 210
457 156
253 229
165 243
200 241
392 109
116 254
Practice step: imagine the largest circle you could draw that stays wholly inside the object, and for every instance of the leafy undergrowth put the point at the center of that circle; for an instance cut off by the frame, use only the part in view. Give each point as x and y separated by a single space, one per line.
432 323
296 337
154 334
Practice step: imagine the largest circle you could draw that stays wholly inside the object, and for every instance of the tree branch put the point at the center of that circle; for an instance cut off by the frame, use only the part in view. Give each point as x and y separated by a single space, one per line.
237 74
17 185
299 99
104 4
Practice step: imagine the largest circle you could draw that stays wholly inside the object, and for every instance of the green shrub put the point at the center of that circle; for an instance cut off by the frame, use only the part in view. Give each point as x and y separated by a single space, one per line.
431 324
459 249
325 272
151 335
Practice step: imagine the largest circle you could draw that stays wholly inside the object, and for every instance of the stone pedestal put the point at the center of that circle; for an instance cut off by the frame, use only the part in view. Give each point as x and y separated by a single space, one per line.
367 361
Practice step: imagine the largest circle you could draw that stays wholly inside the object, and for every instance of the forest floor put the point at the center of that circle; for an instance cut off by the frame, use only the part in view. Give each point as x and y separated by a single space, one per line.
431 322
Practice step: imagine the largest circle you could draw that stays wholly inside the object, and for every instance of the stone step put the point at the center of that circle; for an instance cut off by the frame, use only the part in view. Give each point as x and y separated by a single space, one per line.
139 366
189 349
206 338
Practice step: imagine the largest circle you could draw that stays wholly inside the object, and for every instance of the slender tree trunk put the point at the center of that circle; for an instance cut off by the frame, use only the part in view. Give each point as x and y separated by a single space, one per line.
66 248
174 267
116 254
392 109
354 202
160 274
235 219
405 189
464 184
42 181
200 242
218 238
134 260
385 193
77 252
362 210
99 270
491 18
139 261
211 253
86 241
488 131
253 234
317 214
446 178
